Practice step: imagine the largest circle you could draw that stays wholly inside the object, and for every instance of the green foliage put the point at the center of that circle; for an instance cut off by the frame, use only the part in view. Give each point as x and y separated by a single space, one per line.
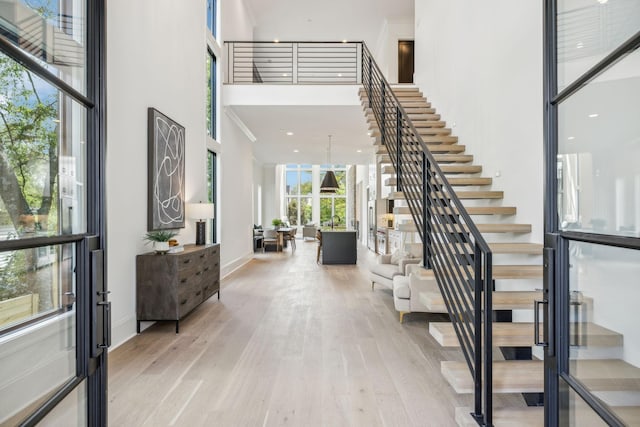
28 136
160 235
277 222
14 281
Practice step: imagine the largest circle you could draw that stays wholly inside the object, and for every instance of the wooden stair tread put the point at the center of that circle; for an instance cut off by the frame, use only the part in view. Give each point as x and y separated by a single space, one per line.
437 148
525 416
453 158
507 334
509 376
502 300
516 248
526 376
440 139
475 194
490 228
453 181
470 169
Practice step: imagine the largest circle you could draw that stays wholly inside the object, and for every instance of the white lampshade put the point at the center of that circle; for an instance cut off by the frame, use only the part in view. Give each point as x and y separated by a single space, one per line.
200 211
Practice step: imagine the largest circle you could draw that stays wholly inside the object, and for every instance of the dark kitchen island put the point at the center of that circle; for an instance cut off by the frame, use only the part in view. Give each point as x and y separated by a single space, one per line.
339 247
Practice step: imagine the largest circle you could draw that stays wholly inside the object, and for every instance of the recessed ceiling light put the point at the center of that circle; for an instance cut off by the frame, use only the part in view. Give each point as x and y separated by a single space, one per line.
369 133
593 116
276 41
580 45
344 41
603 1
290 133
571 138
296 151
339 74
358 151
284 74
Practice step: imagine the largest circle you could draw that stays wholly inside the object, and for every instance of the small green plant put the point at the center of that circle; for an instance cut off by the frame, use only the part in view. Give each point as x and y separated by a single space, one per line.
276 222
160 235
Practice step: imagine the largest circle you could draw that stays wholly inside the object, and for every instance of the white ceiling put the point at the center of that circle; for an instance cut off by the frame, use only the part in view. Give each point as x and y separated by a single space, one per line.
354 20
311 127
306 20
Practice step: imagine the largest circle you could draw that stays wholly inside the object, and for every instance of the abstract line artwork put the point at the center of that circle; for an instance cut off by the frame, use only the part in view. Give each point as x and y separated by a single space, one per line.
166 172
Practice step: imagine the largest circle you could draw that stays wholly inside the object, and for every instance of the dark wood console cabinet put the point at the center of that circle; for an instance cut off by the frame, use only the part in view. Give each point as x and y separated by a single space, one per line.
170 286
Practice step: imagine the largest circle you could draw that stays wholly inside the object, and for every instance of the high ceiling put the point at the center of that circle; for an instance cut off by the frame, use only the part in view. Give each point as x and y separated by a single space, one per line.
353 20
327 20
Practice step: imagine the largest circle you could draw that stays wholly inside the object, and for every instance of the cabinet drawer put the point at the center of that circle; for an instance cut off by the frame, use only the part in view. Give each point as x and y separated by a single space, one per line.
188 298
210 287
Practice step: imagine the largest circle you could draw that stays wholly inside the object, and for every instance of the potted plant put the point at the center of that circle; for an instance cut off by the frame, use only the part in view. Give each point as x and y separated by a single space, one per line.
277 223
160 239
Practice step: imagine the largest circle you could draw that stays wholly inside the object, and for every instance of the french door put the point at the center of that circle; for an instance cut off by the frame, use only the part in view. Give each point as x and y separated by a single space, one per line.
592 212
54 312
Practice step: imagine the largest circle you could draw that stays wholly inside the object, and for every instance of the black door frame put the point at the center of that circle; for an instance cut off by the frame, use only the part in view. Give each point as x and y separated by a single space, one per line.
92 307
556 242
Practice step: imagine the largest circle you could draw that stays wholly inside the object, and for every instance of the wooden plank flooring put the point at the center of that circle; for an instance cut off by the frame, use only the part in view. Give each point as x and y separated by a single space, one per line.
293 343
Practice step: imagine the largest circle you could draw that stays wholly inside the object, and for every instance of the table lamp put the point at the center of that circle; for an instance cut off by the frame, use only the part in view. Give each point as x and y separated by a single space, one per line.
201 212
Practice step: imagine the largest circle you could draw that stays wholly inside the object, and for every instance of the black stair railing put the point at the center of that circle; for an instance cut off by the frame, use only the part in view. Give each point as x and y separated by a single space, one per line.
452 245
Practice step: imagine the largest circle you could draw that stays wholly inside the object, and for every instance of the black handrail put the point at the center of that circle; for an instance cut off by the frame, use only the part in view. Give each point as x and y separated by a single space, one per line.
453 247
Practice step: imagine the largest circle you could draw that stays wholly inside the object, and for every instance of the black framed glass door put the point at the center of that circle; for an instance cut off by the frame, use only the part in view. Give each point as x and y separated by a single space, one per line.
54 314
592 212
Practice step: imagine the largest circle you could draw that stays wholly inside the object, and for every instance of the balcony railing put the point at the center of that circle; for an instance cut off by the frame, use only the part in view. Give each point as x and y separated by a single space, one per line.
289 63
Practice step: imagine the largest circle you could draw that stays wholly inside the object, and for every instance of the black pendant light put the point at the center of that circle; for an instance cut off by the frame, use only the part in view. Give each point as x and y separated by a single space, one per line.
329 182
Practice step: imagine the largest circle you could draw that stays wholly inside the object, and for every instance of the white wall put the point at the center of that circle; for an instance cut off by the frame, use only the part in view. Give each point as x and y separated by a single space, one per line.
386 50
155 58
480 64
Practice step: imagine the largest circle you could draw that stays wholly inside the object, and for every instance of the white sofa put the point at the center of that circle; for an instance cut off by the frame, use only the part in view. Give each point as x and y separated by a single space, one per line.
407 290
384 271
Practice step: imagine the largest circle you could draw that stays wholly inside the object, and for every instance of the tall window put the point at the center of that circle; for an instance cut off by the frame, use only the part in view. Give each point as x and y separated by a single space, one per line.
211 16
333 206
298 194
211 94
211 192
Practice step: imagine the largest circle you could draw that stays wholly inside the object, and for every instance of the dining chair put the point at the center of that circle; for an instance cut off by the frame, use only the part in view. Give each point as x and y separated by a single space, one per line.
270 237
290 236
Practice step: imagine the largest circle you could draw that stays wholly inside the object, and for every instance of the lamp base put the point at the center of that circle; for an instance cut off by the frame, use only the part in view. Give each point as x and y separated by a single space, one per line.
201 229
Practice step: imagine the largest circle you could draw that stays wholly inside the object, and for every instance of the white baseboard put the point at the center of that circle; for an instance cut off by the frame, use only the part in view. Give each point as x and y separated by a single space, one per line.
122 331
232 266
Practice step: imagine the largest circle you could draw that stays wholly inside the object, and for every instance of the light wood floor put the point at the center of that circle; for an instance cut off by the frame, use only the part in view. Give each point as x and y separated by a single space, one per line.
289 343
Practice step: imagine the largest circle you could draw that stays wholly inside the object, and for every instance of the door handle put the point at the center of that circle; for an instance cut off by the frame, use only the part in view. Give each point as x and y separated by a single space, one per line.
536 324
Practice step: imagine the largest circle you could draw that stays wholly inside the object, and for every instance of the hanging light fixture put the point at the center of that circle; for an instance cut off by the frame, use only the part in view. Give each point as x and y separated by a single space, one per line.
329 182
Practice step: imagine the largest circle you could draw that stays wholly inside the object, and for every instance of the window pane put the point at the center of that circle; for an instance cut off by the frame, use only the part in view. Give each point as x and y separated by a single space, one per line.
33 283
305 210
292 210
211 193
598 139
211 16
292 183
211 94
53 32
588 30
42 157
602 307
305 182
326 211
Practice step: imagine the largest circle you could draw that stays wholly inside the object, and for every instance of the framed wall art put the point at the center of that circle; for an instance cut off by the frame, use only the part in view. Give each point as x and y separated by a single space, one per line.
165 207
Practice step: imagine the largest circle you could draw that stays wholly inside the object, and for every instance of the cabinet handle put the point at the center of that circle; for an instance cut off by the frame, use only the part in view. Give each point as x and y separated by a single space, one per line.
216 264
187 261
202 256
183 302
198 273
206 269
198 293
183 281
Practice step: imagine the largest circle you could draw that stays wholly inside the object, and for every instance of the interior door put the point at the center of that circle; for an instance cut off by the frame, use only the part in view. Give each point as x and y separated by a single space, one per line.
592 213
406 61
54 314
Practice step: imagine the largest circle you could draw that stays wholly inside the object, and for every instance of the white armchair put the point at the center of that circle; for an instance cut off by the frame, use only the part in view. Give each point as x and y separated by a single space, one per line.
388 267
407 290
